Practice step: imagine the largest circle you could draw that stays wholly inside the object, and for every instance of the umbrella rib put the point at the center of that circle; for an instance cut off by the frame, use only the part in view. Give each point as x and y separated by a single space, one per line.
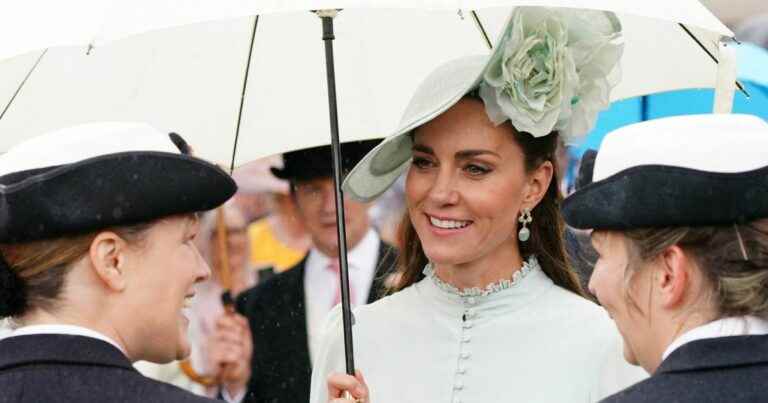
242 94
480 26
23 82
711 56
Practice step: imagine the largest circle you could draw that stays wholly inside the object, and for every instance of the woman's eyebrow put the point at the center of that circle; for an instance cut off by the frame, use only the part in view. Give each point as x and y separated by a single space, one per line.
466 154
423 149
463 154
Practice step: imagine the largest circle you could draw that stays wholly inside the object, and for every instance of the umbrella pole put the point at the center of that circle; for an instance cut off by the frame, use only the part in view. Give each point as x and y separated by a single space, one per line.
327 19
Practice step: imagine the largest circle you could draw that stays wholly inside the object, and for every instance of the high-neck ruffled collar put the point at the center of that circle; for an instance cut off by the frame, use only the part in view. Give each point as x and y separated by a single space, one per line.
528 266
498 298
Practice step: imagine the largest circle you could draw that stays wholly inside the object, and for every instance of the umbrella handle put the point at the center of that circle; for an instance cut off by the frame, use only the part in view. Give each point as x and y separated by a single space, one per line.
222 242
189 372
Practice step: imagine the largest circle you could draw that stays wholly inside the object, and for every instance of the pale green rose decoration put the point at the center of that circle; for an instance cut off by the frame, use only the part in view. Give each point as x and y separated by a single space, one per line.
554 70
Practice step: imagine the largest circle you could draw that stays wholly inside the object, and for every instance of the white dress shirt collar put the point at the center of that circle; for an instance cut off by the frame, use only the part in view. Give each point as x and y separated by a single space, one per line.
735 326
72 330
357 257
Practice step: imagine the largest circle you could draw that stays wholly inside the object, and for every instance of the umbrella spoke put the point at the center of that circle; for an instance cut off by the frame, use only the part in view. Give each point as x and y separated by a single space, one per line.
711 56
23 82
480 26
242 94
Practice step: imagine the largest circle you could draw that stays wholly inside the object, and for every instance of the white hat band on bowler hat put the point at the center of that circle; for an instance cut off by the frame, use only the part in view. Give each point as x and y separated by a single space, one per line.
99 175
73 144
546 73
692 170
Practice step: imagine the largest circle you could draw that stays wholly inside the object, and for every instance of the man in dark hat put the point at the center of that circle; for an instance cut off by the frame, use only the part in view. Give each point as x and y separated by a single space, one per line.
286 313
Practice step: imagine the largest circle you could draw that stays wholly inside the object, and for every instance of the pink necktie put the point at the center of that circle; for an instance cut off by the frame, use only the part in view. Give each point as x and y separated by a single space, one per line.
334 268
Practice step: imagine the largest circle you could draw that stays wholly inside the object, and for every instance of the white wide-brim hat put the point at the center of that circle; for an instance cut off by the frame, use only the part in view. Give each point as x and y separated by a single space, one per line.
696 170
450 82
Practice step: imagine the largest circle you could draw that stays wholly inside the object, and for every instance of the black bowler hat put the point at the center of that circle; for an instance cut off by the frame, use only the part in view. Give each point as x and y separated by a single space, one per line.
699 170
317 162
100 175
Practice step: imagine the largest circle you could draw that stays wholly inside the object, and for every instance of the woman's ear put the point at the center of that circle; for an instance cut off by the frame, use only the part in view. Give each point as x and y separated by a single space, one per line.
673 280
108 255
537 184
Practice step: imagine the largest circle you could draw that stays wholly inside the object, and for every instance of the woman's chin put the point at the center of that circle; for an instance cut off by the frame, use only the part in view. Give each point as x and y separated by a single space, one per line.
183 348
444 257
629 355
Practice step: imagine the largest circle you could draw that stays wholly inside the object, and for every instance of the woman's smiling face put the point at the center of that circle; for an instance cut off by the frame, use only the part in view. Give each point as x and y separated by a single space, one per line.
466 186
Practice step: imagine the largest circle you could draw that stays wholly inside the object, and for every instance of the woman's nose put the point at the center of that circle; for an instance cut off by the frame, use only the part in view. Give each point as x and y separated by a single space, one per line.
203 269
443 190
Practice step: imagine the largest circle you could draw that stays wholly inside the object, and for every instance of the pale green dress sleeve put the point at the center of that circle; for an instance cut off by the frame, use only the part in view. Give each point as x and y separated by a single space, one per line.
330 358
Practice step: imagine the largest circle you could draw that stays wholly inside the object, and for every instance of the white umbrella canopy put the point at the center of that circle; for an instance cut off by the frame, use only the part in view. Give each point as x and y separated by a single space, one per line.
35 24
189 78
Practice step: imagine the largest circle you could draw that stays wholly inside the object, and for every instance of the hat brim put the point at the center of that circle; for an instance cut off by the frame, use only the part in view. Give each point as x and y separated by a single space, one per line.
280 173
110 190
654 196
299 176
381 167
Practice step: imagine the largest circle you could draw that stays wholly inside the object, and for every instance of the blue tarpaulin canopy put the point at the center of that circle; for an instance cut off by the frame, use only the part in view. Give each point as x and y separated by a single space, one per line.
753 74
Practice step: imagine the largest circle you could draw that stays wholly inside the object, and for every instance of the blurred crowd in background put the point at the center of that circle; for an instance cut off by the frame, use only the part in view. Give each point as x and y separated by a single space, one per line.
266 236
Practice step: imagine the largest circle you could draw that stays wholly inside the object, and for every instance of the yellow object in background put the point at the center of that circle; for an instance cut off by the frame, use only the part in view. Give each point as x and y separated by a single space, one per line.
268 251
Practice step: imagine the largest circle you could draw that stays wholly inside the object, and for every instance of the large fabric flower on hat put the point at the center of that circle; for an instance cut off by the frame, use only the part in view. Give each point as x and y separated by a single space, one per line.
553 70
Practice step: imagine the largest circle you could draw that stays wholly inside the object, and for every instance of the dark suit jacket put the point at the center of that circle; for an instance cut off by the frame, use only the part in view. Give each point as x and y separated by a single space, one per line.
54 368
722 370
281 368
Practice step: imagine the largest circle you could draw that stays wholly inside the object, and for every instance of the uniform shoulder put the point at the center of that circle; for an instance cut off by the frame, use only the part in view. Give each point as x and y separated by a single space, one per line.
641 392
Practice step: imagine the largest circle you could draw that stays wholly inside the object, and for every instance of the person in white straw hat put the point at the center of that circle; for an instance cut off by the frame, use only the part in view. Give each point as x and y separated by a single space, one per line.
97 261
487 307
679 213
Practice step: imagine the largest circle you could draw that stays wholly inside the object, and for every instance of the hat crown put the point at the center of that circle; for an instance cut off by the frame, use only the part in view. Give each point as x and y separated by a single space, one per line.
710 143
78 143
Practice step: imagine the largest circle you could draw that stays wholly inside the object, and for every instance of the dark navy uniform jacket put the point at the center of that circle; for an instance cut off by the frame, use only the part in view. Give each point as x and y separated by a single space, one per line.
720 370
53 368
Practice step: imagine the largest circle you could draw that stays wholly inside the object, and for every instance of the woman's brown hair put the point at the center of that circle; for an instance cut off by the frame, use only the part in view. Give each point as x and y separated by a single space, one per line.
733 260
35 272
547 229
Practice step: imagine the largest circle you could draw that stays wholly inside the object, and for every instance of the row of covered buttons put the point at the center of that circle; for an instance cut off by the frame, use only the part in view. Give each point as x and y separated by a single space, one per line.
469 315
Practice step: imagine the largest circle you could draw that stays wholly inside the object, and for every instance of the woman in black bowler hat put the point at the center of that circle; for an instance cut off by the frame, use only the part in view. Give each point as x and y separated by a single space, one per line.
679 213
97 261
